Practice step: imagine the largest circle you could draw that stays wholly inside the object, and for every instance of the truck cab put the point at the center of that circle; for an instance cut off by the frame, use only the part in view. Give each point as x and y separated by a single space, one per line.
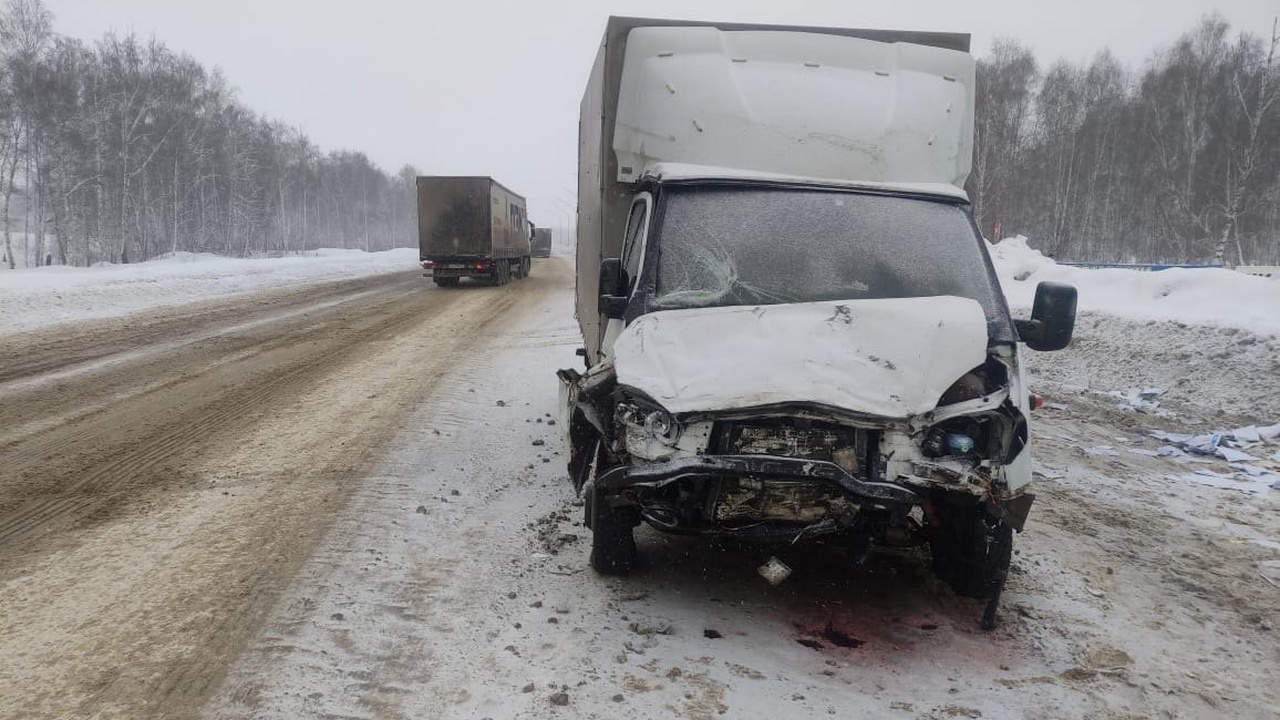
792 328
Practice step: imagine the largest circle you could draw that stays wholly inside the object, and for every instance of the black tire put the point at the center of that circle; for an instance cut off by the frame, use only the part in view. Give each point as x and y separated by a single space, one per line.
971 551
447 281
613 544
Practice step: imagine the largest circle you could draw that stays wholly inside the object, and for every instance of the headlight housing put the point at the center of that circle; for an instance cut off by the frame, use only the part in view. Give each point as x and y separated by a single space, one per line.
654 422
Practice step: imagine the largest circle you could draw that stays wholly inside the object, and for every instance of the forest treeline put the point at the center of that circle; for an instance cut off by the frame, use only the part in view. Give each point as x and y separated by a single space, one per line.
1179 162
124 150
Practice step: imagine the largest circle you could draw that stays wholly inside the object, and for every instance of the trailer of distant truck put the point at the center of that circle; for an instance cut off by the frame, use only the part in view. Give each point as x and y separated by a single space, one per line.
471 227
541 242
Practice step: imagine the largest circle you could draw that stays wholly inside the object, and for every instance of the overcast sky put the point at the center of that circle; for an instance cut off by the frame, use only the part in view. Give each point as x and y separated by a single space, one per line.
491 87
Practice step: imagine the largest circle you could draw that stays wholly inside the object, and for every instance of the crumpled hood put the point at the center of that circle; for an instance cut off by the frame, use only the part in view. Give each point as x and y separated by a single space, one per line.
889 358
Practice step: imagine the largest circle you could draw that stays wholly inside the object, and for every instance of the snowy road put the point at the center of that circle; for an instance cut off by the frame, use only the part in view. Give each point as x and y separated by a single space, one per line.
165 474
351 503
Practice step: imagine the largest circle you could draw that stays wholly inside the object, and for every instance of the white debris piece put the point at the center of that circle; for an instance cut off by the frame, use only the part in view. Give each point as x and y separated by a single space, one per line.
1248 434
1170 451
1249 470
1227 481
1134 402
1234 456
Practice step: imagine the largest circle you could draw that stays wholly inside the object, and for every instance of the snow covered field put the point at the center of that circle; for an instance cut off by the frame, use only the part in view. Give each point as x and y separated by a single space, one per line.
1193 296
35 297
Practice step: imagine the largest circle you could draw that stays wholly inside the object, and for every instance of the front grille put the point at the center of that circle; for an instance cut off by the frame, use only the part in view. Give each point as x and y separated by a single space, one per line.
798 438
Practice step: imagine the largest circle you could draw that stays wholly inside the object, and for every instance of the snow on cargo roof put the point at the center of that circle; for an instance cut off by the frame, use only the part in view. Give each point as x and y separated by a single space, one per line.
795 103
675 172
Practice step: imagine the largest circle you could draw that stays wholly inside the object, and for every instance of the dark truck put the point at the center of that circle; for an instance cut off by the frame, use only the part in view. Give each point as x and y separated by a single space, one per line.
791 325
471 227
541 242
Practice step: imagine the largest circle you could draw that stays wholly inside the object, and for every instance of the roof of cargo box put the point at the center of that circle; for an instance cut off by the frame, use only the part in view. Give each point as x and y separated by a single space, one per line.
845 104
677 172
471 177
620 25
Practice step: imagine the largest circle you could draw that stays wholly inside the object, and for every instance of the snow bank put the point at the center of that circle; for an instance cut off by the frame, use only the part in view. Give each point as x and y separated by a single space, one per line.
35 297
1199 296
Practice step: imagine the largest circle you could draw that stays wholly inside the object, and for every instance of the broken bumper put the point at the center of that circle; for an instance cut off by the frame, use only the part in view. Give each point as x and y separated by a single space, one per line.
764 467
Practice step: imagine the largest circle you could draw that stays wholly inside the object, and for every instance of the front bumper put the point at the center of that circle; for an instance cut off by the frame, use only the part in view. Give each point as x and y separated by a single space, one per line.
764 467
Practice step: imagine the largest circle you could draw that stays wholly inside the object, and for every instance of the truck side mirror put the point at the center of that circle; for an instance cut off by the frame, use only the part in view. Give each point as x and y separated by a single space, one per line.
612 301
1053 317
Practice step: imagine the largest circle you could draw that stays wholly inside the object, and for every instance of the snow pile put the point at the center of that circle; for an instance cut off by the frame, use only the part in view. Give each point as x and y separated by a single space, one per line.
1195 296
35 297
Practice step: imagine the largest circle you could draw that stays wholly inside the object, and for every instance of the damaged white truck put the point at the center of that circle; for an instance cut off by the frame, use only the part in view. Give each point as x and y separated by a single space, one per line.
791 326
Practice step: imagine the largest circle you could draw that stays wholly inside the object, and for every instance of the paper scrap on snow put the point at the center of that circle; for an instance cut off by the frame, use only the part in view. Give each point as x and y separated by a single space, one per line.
1229 481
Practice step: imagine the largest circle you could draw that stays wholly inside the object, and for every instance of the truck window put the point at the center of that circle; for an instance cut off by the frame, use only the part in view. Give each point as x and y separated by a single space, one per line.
633 243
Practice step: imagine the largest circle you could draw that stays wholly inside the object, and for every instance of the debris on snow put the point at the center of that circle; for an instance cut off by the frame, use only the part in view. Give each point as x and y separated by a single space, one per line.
647 630
774 570
1143 401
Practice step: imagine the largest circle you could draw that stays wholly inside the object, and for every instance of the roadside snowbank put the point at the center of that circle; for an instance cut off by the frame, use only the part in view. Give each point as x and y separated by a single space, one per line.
35 297
1200 296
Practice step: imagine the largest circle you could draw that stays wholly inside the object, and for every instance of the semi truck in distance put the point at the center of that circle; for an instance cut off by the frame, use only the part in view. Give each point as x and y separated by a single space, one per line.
471 227
791 326
541 242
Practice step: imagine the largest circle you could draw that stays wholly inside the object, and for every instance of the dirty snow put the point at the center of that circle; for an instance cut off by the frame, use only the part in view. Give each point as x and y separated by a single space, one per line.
35 297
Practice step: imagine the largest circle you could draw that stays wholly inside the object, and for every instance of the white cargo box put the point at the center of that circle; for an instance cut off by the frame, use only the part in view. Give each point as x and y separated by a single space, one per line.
794 103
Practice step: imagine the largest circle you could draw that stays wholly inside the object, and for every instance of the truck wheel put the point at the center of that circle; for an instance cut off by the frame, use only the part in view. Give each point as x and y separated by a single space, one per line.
613 544
971 551
447 281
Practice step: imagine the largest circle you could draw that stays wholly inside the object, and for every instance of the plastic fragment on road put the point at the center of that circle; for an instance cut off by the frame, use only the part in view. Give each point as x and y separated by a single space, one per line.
1234 456
774 570
1204 444
1143 401
1228 481
1248 434
1170 451
1249 470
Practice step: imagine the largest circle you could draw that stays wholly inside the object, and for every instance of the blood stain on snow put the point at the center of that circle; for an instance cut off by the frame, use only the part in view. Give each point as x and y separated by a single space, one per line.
839 638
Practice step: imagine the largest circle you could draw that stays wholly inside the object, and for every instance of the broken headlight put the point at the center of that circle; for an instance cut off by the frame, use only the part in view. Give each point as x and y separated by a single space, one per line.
655 422
939 443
